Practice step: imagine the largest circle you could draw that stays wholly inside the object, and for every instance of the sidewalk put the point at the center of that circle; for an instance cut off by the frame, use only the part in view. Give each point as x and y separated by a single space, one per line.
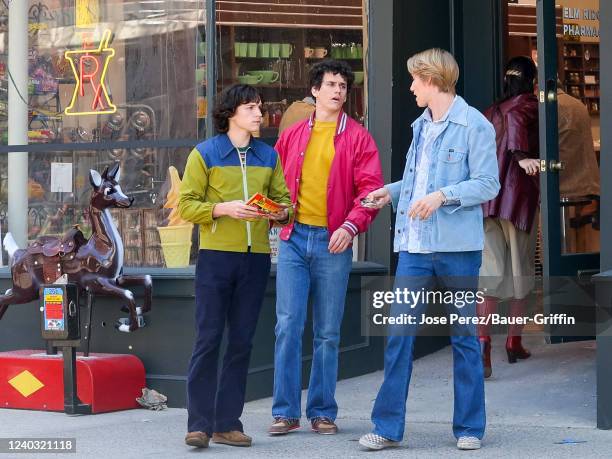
531 406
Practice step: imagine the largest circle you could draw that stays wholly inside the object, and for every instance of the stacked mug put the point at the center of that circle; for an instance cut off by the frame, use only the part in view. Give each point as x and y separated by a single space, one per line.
263 50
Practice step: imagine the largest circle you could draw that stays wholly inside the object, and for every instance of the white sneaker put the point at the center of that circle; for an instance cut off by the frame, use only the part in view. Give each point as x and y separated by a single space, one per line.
468 443
376 442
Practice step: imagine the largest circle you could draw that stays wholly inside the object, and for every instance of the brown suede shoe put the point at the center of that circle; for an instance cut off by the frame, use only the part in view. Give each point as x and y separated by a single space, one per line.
282 426
232 438
324 426
197 439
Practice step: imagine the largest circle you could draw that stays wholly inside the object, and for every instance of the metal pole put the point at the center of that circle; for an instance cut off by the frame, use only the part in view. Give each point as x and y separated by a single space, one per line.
211 65
18 120
72 402
87 337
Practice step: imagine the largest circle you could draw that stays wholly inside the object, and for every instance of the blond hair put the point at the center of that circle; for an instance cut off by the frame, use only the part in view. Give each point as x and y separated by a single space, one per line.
437 66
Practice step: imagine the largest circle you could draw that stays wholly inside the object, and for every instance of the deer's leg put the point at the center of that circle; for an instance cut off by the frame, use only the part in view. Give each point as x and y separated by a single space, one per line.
16 296
106 287
135 281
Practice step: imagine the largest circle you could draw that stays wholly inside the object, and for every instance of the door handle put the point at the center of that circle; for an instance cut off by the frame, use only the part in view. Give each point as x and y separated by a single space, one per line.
556 165
552 165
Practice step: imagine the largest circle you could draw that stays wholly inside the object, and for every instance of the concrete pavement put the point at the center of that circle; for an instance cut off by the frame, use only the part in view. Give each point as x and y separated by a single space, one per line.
532 408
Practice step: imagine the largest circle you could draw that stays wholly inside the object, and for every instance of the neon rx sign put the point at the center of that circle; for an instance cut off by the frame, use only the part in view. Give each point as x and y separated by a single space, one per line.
89 67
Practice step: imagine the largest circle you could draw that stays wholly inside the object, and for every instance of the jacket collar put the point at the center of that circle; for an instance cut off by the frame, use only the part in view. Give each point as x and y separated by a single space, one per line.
458 113
225 146
340 126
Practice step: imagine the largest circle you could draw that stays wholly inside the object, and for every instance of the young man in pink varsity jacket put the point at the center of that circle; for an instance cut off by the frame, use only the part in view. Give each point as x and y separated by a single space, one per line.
330 163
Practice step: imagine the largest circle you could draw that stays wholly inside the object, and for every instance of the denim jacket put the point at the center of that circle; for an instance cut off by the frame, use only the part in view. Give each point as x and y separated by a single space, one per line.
464 169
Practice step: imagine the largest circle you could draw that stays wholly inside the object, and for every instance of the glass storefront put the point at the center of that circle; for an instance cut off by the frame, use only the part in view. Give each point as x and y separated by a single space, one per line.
142 49
274 46
127 80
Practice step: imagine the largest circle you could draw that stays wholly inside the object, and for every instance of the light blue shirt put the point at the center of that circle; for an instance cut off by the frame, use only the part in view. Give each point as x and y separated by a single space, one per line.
411 239
464 167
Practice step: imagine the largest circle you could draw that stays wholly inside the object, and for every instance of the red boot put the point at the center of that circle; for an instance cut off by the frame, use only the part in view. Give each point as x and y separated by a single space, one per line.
515 349
487 307
514 346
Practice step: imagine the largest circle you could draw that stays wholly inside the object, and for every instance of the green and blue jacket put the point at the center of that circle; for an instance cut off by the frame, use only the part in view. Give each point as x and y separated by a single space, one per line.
214 174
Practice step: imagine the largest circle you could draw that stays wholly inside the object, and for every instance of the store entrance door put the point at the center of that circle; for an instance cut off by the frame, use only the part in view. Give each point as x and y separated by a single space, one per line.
569 197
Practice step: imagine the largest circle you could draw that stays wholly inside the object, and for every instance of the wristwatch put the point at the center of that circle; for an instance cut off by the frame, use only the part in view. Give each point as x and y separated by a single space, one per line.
444 198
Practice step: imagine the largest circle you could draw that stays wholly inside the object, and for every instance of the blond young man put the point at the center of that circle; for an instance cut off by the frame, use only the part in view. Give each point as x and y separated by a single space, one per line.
451 169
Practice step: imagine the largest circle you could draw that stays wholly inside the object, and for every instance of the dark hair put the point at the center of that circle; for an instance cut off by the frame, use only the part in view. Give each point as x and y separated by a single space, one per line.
519 76
229 100
318 71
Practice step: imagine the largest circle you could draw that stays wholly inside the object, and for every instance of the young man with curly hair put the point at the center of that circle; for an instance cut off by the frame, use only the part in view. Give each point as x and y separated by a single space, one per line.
233 263
330 163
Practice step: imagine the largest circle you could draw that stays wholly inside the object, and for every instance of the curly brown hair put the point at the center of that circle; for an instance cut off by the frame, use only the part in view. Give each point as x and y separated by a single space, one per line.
318 71
229 100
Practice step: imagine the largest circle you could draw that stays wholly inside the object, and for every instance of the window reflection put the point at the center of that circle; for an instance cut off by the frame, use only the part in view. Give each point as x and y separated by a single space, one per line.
153 43
59 192
273 47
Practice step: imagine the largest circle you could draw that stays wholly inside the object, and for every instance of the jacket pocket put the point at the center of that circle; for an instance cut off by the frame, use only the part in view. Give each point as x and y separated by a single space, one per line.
450 155
450 165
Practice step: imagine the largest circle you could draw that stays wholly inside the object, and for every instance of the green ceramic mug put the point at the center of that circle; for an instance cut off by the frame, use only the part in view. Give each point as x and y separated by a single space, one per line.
252 50
275 49
240 49
286 49
250 79
263 49
267 76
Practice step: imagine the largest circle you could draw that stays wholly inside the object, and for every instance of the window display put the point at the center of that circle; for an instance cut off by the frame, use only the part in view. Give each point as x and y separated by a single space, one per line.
125 79
107 71
275 52
58 196
125 59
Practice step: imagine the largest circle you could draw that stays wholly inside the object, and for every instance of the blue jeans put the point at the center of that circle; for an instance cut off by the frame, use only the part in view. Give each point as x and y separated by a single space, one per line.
306 267
417 271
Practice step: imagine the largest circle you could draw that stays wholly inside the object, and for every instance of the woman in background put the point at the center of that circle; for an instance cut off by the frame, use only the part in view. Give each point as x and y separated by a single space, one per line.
510 219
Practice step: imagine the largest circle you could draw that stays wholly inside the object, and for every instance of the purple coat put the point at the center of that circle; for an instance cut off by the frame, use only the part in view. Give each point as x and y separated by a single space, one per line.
516 127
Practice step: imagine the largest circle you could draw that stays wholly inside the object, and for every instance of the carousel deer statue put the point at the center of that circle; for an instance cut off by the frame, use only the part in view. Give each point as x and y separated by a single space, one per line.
95 264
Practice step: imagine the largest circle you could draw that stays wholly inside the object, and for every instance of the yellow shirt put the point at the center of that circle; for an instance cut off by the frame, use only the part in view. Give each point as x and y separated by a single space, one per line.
312 195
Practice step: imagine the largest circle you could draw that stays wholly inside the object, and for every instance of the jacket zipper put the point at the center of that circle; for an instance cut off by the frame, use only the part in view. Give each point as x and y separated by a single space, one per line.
245 190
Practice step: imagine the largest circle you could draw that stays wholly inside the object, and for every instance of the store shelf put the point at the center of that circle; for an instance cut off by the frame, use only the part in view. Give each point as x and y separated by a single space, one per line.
293 83
578 60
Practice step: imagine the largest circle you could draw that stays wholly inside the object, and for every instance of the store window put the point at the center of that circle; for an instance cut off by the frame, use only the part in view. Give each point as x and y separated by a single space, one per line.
104 70
127 79
59 196
107 72
272 45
